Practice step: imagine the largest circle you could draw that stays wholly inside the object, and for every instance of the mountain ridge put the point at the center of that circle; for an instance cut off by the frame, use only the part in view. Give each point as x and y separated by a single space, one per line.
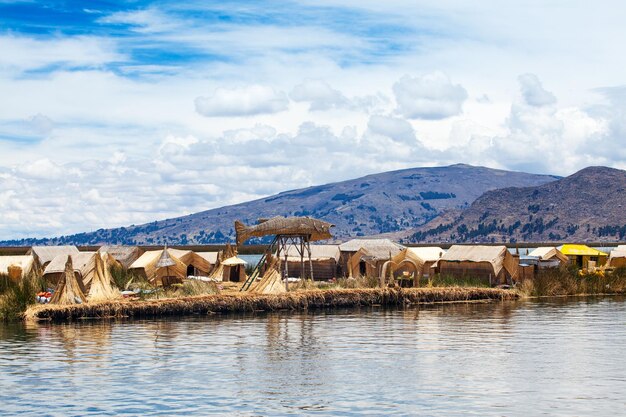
377 203
587 205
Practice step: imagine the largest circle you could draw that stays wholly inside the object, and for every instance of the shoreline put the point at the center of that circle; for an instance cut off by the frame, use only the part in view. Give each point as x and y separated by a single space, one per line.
249 302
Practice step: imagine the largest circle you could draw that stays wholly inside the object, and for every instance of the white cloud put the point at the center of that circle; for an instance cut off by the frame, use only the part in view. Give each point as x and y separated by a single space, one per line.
245 101
533 92
394 128
21 53
430 97
319 94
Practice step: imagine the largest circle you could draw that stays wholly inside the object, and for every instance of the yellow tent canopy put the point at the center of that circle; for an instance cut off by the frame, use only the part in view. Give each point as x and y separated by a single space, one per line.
580 250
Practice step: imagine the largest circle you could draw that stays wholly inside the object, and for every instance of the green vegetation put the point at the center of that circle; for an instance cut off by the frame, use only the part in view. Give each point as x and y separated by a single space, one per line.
557 282
16 297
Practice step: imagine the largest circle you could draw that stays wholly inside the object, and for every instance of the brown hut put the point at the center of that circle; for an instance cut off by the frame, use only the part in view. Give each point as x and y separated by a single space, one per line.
365 257
229 267
45 254
84 264
424 258
495 264
160 267
324 259
617 257
125 255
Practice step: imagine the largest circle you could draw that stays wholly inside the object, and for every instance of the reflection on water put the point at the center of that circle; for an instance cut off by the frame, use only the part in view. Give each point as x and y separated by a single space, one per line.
553 357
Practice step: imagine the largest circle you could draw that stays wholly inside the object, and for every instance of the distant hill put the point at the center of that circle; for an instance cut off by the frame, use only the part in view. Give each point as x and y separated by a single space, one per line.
589 205
379 203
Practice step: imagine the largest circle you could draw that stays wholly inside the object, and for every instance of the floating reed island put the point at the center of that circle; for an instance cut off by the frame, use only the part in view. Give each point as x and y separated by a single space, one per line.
252 302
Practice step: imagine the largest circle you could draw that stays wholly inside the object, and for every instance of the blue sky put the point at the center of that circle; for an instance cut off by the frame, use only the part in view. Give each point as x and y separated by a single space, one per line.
114 113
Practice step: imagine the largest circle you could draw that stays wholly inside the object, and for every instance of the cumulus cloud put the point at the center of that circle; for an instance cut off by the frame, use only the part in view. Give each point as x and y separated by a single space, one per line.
319 94
244 101
392 127
430 97
533 92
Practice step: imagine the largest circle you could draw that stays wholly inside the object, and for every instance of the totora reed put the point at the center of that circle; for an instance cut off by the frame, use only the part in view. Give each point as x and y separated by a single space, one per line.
247 302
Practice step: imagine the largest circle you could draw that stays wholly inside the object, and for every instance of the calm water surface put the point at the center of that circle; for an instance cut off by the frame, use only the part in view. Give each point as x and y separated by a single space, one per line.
557 357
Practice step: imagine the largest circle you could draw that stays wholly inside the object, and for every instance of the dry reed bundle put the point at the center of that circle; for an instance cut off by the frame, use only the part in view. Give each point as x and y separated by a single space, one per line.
271 282
68 290
250 302
102 283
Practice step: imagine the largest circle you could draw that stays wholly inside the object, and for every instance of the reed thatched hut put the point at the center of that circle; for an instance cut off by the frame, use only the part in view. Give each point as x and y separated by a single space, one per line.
546 257
125 255
365 257
45 254
161 267
84 264
17 267
324 259
424 258
494 264
229 267
583 256
197 265
617 257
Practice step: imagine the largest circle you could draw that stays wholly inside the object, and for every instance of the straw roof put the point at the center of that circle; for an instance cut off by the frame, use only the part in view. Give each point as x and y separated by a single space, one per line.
148 264
580 250
45 254
165 260
233 261
210 257
618 253
318 253
83 262
68 290
494 255
548 252
24 262
125 255
427 253
375 248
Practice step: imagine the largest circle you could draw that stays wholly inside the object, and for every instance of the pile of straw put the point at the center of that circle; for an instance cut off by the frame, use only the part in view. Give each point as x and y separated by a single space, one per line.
271 282
68 290
102 283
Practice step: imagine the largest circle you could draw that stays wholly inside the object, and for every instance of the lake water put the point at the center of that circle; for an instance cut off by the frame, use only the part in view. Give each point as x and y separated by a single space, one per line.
554 357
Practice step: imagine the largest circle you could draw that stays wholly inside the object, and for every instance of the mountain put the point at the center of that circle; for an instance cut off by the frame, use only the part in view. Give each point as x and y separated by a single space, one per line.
379 203
589 205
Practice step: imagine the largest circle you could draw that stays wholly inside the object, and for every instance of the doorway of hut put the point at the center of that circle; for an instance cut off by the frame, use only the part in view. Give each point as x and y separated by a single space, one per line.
362 268
234 273
191 271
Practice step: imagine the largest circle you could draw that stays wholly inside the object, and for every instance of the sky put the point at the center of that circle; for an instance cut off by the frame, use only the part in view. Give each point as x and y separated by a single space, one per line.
124 112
